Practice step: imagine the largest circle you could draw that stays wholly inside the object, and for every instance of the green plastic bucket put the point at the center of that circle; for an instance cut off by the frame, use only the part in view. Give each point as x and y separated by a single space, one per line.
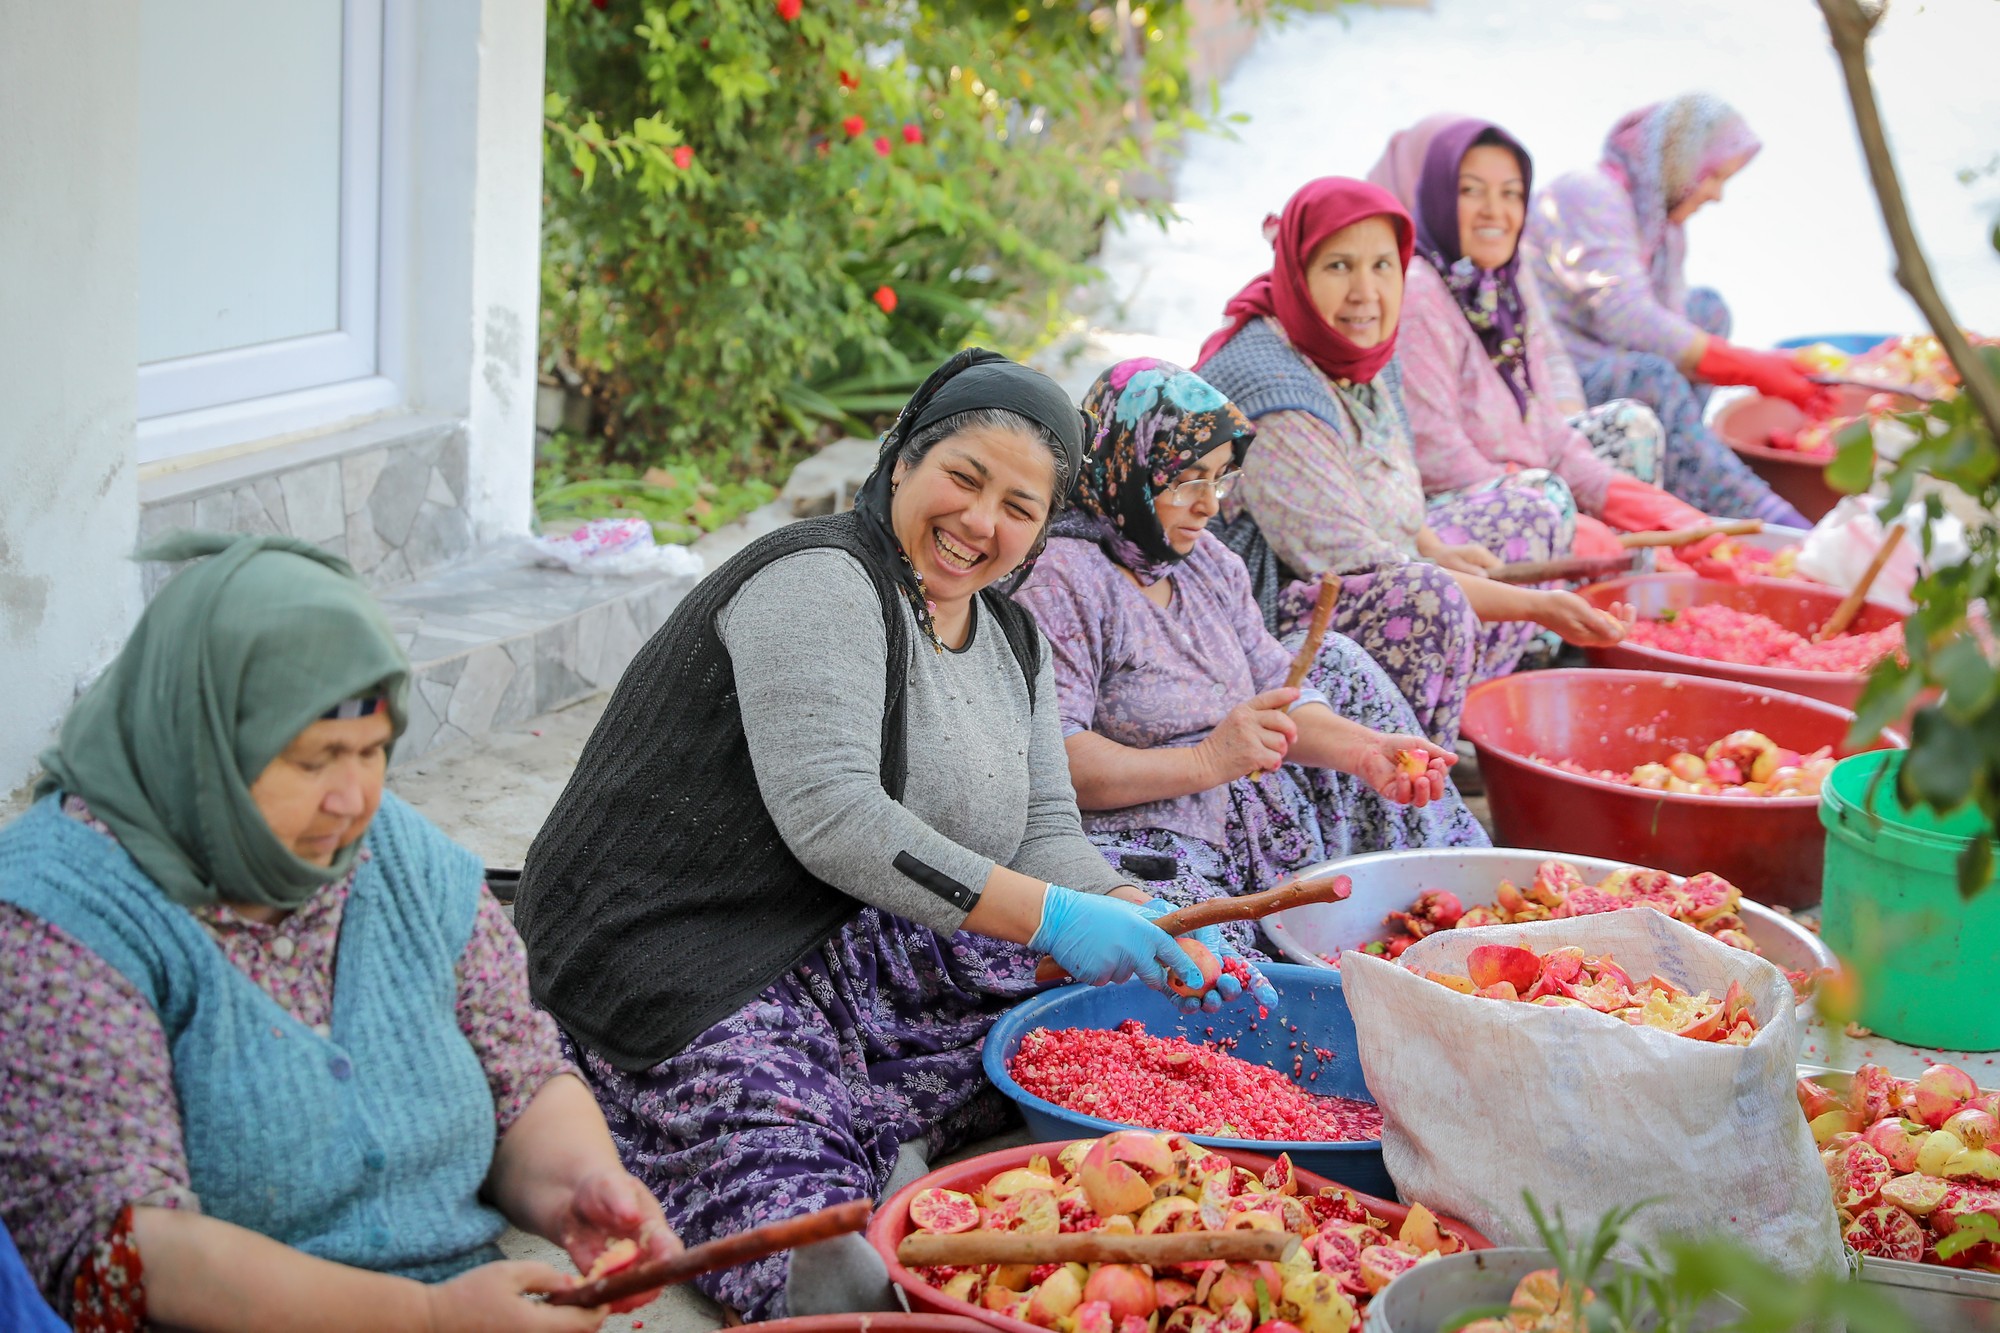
1928 962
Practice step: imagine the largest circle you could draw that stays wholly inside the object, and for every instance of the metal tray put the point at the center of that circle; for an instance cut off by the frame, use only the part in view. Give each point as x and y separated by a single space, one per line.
1390 881
1933 1297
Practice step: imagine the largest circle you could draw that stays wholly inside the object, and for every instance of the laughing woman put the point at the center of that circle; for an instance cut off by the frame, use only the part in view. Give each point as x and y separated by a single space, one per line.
786 893
201 1129
1171 690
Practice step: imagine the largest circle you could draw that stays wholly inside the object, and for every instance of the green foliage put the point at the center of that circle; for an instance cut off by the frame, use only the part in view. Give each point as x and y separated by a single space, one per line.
754 227
682 499
1711 1285
1955 749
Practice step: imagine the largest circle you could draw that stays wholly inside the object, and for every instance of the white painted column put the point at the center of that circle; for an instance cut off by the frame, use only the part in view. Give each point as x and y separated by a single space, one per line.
471 173
69 272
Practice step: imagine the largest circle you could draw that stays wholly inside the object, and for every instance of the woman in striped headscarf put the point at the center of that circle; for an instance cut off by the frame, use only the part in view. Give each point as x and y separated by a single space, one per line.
1608 246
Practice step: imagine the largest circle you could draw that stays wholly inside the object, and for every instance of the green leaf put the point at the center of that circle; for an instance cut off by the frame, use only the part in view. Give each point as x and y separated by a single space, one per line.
1968 678
1852 470
1975 870
1888 694
1944 761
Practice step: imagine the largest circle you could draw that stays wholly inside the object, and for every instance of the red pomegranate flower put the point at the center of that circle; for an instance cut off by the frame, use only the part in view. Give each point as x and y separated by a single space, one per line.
684 157
788 9
882 144
886 298
854 125
913 134
848 80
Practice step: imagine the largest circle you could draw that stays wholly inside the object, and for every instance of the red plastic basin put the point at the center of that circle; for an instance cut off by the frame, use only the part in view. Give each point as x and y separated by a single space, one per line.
1770 847
1745 425
892 1221
1798 607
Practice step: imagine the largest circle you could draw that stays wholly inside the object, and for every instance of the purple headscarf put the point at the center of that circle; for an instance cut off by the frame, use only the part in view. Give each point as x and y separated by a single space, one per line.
1660 153
1489 298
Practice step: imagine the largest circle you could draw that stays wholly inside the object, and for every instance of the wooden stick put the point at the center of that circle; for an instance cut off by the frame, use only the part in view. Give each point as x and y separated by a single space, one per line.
1325 888
1900 390
1849 25
1850 606
1329 593
727 1252
923 1249
1736 527
1569 567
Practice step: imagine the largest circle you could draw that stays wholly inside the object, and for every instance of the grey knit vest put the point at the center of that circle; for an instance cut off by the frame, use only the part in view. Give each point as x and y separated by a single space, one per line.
659 897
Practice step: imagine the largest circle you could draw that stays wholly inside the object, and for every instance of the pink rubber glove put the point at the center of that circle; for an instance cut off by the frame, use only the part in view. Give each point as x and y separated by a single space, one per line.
1594 539
1773 374
1630 505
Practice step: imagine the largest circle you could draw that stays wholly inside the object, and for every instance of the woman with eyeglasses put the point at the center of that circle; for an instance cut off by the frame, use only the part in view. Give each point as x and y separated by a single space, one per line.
1195 767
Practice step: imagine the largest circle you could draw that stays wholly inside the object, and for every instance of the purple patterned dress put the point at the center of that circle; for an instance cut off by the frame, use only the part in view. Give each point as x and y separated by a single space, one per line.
1144 675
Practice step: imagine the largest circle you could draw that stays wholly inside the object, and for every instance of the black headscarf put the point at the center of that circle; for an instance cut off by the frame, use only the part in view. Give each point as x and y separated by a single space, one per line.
970 381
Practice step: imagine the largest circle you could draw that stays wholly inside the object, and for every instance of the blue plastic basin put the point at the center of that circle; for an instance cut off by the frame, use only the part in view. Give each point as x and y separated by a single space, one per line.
1854 344
1309 997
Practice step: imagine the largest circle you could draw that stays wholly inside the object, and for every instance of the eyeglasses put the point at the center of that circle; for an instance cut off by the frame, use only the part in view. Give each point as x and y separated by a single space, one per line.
1193 492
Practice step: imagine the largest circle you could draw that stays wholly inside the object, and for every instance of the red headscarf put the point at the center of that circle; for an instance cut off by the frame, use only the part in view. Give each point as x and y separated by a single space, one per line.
1317 211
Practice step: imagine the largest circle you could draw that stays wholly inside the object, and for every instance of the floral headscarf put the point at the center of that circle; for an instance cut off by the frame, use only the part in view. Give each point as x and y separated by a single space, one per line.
1490 299
1660 153
1154 421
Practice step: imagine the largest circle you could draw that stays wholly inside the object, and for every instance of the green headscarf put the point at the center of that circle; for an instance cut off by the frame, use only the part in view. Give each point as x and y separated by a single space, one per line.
237 655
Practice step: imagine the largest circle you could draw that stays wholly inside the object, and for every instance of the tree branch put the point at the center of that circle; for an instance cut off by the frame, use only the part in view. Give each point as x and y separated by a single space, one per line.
1849 23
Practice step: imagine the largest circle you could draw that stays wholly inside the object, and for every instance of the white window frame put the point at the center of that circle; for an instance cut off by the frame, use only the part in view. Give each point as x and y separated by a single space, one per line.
198 404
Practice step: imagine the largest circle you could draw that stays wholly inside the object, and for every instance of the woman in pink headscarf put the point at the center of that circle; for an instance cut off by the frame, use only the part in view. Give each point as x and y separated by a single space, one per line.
1479 350
1608 245
1333 488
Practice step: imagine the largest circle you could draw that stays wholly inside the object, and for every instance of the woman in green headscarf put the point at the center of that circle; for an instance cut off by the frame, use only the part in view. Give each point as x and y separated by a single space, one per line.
203 1129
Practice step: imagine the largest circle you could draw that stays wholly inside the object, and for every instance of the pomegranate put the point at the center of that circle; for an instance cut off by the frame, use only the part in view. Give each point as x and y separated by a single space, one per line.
1126 1288
1722 633
1412 764
1203 959
1887 1232
1940 1091
1917 1195
943 1211
619 1254
1052 1299
1492 965
1858 1174
1567 978
1897 1140
1972 1127
1123 1173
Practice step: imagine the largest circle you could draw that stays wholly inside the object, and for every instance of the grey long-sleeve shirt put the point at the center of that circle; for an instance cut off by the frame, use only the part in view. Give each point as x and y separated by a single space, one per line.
988 779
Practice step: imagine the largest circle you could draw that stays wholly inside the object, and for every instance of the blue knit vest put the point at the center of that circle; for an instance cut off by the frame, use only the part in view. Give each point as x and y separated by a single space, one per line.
367 1147
1261 372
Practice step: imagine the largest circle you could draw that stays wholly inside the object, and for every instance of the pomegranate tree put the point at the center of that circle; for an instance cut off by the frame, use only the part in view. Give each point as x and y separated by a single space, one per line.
1346 1254
1912 1171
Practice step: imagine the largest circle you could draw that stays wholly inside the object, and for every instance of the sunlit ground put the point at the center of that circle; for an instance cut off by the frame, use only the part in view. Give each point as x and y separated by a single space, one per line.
1797 246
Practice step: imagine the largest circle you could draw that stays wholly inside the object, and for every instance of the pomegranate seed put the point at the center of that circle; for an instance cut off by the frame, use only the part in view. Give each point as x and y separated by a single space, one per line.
1724 634
1170 1083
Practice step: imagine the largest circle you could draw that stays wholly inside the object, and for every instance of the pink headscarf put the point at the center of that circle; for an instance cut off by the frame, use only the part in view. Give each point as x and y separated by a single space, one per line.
1317 211
1402 162
1660 153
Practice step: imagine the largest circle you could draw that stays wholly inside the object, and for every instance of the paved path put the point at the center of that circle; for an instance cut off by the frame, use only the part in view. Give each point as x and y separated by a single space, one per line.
1797 246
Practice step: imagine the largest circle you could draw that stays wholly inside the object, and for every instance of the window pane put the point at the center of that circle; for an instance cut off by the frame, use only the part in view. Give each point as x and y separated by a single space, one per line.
239 173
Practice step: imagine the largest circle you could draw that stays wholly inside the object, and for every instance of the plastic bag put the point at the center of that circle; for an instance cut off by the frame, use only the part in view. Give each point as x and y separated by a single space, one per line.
1840 547
614 546
1482 1098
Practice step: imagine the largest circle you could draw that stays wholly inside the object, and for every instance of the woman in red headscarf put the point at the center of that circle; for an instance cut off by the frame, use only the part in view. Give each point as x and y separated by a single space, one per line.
1333 488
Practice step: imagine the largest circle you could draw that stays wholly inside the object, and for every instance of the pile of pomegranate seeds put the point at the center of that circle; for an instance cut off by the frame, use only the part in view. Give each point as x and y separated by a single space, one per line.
1724 634
1169 1083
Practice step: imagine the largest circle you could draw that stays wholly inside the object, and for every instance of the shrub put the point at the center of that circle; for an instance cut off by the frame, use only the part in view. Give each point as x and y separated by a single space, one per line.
765 215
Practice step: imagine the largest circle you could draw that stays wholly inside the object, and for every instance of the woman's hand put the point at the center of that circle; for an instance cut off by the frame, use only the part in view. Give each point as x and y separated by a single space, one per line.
610 1205
1580 623
493 1298
1100 939
1466 558
1255 736
1378 761
1226 987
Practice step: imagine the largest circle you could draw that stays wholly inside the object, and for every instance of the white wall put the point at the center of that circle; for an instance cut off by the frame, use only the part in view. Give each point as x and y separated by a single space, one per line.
474 241
69 261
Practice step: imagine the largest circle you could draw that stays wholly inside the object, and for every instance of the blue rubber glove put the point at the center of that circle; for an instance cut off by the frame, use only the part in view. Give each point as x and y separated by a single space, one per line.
1099 939
1227 987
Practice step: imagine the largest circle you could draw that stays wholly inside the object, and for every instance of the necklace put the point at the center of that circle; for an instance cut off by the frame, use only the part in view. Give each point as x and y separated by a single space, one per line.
921 604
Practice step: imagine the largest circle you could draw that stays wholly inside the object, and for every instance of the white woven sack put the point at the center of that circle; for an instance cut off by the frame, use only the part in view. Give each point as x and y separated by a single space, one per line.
1481 1099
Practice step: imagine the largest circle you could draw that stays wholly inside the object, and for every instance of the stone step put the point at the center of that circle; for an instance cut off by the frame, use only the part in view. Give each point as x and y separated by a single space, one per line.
498 639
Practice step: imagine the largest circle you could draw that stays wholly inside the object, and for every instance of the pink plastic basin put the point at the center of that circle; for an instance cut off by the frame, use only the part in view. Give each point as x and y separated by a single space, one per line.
892 1221
1798 607
1745 425
1771 847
